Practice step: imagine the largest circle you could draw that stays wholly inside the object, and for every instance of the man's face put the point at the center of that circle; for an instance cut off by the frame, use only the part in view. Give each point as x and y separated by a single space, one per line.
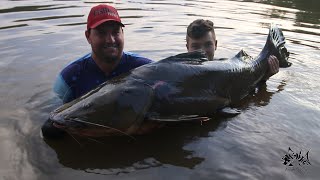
107 41
206 43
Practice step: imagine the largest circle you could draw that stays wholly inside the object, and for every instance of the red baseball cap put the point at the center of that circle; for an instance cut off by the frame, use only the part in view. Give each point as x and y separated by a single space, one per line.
102 13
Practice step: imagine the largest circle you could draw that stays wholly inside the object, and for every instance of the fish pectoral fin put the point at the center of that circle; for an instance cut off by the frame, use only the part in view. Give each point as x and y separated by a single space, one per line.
229 112
177 118
194 118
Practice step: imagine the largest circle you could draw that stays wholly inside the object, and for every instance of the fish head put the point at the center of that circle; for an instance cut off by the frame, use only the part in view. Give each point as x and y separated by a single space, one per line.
111 110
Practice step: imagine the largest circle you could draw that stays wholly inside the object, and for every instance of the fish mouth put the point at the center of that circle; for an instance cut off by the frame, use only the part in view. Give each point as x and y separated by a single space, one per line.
67 123
73 126
76 128
59 125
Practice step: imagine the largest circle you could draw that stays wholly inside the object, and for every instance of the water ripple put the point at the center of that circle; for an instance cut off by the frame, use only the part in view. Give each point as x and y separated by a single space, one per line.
48 18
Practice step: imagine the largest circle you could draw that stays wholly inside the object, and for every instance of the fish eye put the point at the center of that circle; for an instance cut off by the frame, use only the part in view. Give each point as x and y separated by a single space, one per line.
86 105
125 91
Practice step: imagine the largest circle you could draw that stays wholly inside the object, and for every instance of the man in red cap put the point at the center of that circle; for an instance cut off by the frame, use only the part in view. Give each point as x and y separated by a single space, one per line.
105 35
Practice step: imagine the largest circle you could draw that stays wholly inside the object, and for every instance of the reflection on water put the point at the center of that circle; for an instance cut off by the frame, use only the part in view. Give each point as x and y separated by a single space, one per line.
261 97
48 18
38 38
123 154
25 8
309 11
15 26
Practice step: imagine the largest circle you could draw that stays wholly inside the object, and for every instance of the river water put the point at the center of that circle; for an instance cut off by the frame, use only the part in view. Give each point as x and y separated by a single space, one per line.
39 37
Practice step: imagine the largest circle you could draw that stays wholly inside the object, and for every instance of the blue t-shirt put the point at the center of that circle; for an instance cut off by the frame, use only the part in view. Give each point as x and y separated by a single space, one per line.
83 75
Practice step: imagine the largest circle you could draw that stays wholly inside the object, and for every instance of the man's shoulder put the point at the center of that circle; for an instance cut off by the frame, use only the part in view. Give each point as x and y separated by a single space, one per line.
69 77
130 61
135 58
75 66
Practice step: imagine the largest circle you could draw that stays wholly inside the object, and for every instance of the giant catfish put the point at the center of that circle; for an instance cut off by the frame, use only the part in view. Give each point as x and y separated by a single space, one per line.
179 88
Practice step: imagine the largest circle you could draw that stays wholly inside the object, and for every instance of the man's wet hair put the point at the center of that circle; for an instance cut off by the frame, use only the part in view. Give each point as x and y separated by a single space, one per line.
198 28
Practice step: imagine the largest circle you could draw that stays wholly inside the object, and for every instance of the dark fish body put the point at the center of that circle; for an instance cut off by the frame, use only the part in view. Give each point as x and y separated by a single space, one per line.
182 87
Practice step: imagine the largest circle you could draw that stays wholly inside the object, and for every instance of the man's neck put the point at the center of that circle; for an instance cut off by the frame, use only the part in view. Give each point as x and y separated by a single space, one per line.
106 67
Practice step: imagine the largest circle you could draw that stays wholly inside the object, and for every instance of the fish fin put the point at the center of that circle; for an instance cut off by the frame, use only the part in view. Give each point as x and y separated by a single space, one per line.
243 56
192 55
229 112
177 118
278 40
189 56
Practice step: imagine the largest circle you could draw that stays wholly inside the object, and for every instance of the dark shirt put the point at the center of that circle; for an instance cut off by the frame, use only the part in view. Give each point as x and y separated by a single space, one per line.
83 75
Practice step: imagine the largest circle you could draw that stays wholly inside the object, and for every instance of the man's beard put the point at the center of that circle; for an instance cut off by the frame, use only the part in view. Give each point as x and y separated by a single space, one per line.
110 59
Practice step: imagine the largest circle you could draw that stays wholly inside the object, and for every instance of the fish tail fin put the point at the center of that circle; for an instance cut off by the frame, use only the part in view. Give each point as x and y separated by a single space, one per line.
277 38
